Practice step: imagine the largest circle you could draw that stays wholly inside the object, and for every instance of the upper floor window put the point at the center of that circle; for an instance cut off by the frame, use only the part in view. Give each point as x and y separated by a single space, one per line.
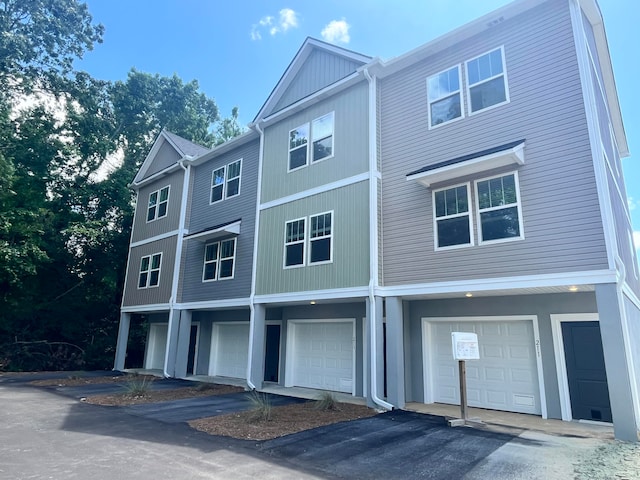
318 240
320 131
225 181
158 203
452 218
499 210
444 96
150 271
294 243
487 85
219 260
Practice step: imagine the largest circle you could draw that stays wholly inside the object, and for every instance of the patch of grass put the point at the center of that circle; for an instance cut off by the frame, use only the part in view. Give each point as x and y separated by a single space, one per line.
204 386
260 407
138 385
326 401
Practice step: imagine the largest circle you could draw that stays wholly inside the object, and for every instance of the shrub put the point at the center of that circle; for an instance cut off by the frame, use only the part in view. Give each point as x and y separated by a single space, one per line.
138 385
260 407
326 401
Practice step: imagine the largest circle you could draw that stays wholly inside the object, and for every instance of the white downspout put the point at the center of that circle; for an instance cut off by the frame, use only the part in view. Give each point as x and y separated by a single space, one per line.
255 260
176 264
373 234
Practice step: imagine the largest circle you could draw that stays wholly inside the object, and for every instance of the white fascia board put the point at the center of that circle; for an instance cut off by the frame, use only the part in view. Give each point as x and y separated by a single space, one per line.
502 283
231 229
226 303
157 307
155 176
473 166
316 97
155 238
307 296
225 147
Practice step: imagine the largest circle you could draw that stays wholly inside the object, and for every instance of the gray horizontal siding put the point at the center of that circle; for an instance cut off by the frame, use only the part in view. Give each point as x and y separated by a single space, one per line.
165 157
561 213
203 216
161 293
320 69
143 229
350 146
350 265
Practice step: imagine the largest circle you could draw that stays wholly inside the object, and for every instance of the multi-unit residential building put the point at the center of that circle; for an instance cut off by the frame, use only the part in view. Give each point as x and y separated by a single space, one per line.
374 207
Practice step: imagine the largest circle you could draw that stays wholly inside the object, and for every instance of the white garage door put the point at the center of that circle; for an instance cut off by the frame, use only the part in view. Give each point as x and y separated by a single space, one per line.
505 377
156 346
322 355
229 350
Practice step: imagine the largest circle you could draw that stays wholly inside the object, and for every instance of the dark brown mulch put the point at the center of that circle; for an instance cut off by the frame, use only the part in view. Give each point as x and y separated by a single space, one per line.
153 396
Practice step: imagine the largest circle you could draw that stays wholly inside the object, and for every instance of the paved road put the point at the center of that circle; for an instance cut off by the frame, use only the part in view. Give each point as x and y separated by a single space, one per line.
47 435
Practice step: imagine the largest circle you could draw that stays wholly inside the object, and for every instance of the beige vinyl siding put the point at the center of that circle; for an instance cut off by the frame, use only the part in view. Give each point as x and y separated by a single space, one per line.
562 226
165 157
350 146
350 227
143 229
320 69
150 296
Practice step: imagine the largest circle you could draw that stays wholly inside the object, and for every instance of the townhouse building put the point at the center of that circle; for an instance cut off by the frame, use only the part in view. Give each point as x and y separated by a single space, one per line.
375 207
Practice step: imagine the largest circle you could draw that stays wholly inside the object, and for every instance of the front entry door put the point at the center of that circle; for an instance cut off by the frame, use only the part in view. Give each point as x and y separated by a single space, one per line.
586 373
191 359
272 354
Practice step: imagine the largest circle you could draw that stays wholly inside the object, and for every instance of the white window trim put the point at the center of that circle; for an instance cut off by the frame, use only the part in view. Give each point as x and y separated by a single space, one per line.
225 182
333 135
462 109
330 236
503 74
159 269
310 141
303 241
156 216
218 261
289 149
468 213
518 204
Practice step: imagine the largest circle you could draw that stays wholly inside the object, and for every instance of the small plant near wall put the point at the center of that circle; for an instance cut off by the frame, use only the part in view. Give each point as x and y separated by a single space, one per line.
138 385
326 401
260 407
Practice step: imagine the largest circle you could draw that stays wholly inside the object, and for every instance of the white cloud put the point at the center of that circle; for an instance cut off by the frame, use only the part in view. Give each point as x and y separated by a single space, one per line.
287 19
336 31
636 240
633 203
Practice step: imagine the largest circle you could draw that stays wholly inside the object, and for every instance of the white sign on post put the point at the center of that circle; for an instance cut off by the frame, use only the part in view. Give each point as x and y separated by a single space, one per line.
465 346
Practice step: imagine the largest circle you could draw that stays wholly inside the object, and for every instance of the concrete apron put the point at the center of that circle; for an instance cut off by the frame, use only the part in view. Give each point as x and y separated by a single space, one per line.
508 421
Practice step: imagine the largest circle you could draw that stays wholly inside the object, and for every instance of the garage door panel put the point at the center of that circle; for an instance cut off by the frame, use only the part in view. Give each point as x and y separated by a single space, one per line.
328 363
505 377
230 350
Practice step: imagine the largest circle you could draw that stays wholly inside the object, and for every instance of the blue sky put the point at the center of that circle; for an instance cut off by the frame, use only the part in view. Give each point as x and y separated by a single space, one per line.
237 50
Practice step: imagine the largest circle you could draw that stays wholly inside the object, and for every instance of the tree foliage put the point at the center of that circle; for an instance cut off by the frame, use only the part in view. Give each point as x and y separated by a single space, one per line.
69 146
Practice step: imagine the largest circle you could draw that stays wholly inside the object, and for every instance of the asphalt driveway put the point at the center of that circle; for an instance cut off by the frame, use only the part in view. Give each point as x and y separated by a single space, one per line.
47 435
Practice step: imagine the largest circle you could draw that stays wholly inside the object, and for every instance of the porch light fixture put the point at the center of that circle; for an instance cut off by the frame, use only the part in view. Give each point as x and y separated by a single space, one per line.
312 302
468 294
573 288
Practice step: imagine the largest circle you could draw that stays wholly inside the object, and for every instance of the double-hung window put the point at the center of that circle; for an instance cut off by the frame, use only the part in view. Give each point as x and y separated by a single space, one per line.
444 96
311 140
219 260
150 271
498 206
313 235
452 217
486 81
294 243
158 204
225 181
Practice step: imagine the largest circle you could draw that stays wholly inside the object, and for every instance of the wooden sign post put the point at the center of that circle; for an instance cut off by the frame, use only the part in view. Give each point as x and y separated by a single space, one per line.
465 347
462 369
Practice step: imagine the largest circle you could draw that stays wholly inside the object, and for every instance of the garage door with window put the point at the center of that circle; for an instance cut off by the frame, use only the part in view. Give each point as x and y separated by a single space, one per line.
505 377
322 355
229 350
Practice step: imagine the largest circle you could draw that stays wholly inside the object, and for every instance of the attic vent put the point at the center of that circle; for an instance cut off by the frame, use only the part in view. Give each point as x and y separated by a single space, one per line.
495 22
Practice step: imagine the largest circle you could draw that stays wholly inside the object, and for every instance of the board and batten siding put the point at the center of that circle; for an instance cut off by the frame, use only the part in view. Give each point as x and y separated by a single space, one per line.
203 215
350 146
154 295
320 70
350 228
143 229
165 157
562 222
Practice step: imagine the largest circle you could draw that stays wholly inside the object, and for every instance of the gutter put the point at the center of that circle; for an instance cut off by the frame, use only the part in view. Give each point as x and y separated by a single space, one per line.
373 235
